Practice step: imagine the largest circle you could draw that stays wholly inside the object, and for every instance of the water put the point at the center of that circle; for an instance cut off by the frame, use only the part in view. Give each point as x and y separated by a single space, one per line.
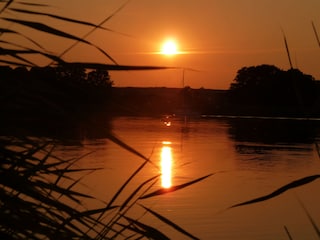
248 158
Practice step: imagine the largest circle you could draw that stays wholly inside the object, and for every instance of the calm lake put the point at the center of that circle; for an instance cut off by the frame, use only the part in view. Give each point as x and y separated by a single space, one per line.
248 157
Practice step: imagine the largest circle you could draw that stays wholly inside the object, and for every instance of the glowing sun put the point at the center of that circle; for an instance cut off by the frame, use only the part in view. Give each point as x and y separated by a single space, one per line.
169 47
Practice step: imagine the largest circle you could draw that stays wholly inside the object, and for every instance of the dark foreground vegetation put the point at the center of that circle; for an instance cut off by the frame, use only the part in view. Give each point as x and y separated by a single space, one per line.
40 106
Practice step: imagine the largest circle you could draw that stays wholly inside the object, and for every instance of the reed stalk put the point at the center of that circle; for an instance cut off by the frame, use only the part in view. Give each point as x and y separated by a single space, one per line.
38 192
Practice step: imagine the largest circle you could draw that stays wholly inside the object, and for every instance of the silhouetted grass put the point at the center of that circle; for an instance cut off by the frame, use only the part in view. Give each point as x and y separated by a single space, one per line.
33 198
37 196
39 199
38 191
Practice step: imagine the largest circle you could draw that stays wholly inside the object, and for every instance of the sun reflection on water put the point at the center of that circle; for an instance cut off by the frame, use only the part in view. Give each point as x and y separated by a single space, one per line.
166 165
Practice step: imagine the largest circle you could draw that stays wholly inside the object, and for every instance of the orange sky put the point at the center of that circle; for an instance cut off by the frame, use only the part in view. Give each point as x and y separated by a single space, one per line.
218 36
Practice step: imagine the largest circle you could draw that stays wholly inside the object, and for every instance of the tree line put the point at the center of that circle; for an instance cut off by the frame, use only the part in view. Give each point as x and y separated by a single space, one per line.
255 90
52 93
69 74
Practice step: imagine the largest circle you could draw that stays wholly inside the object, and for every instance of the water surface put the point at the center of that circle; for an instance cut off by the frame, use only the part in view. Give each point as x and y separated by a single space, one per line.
248 158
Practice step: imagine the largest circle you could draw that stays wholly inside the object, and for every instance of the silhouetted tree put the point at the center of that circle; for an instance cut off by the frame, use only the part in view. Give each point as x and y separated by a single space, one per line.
99 78
71 74
45 74
267 85
255 83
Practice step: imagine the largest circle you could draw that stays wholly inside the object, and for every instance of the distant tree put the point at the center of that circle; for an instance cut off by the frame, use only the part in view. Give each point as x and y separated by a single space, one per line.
71 74
5 73
255 83
20 74
99 78
269 85
79 76
42 74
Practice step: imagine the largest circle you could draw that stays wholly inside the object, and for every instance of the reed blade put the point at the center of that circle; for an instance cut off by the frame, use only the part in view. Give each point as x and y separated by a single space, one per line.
15 63
287 232
148 231
50 30
45 28
316 33
122 144
294 184
56 17
6 6
95 211
91 31
313 223
14 53
112 67
174 188
135 192
287 49
3 30
33 4
170 223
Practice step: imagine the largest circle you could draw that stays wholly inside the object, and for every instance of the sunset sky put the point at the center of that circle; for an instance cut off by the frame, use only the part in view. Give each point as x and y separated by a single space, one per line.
216 37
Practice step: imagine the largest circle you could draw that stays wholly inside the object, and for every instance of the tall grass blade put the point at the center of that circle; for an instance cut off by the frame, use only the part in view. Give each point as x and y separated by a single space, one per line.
21 185
112 67
66 192
61 172
170 223
174 188
135 192
33 4
136 232
56 17
91 31
115 12
148 231
287 49
313 223
55 58
47 29
6 6
132 204
15 63
13 53
288 233
122 144
3 30
126 183
128 207
120 190
316 33
31 51
94 211
294 184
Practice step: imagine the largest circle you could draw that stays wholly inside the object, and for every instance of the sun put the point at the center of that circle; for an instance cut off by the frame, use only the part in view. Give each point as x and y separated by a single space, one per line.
169 47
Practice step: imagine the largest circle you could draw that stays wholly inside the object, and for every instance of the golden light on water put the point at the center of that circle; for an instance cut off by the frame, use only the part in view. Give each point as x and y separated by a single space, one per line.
166 165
